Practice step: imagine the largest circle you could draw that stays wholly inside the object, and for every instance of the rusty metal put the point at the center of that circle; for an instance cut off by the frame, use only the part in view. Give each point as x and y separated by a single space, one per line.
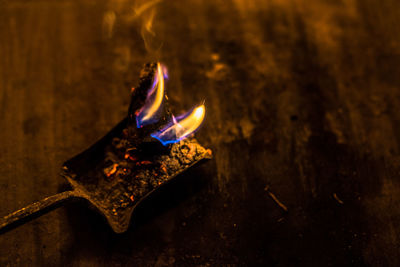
121 169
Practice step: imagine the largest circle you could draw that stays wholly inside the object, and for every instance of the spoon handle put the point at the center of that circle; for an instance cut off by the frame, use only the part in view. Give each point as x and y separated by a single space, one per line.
38 208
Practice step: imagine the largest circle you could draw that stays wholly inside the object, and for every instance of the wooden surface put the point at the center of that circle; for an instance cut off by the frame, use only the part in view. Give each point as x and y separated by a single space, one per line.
302 96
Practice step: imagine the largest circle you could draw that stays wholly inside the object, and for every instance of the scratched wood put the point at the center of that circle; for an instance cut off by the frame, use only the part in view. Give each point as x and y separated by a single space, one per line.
302 98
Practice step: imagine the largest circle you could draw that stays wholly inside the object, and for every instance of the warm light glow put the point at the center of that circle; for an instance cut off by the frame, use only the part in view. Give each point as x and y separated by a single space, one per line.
199 113
148 114
181 126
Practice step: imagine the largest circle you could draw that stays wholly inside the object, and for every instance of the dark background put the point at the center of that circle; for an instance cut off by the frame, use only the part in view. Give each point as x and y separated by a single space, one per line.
301 95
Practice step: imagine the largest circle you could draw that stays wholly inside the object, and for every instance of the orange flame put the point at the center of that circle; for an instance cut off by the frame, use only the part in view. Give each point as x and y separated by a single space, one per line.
189 124
148 113
182 126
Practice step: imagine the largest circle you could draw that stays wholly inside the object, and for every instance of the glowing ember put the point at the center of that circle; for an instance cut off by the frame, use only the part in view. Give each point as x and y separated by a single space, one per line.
148 114
111 170
181 127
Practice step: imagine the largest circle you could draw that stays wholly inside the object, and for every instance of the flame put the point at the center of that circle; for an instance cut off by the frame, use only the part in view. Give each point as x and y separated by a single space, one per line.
181 127
148 113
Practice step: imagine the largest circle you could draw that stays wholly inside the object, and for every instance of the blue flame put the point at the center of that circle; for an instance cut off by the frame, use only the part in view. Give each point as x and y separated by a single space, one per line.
181 127
165 142
168 138
150 111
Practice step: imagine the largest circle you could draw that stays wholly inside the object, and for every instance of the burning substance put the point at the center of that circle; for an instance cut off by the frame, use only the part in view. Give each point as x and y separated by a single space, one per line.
149 113
181 127
127 165
178 128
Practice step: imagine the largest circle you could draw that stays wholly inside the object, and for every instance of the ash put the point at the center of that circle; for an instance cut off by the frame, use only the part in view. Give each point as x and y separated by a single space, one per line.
127 174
